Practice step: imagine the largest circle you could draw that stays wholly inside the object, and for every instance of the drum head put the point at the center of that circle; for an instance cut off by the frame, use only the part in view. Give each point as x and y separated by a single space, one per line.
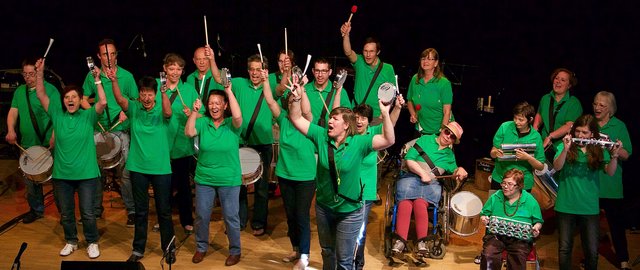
466 204
249 160
36 163
108 145
387 93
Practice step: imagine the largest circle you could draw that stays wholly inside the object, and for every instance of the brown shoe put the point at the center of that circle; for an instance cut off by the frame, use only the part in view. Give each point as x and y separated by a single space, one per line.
198 256
232 260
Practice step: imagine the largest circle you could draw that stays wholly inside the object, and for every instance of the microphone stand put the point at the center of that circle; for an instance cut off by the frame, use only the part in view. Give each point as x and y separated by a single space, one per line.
167 252
16 262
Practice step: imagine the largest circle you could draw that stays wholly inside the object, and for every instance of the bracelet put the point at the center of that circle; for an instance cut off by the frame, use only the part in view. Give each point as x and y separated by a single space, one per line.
98 82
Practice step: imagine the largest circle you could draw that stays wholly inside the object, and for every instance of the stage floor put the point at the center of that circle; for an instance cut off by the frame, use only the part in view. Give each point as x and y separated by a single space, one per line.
45 238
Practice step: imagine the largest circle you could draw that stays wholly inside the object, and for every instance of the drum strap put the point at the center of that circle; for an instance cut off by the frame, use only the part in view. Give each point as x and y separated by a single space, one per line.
426 159
41 135
322 121
553 114
334 177
373 80
252 122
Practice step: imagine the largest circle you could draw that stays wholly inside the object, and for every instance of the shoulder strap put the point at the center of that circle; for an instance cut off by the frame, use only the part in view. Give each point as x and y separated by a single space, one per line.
254 117
173 97
322 122
373 80
41 135
553 113
335 181
426 159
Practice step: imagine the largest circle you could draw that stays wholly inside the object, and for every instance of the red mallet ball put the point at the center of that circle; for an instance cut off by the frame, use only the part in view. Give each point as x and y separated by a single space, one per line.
354 8
418 107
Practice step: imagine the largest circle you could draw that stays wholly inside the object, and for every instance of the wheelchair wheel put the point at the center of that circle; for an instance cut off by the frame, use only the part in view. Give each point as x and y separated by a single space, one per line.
437 251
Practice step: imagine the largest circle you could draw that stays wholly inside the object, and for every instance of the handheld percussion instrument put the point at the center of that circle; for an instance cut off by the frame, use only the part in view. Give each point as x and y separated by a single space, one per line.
510 227
509 150
387 93
607 144
90 63
225 77
251 165
36 163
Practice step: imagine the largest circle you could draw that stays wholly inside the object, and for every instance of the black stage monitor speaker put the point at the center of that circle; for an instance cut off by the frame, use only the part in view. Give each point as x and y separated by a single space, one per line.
100 265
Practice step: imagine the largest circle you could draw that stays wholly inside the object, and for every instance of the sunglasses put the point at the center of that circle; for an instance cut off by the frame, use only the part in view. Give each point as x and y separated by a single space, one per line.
450 133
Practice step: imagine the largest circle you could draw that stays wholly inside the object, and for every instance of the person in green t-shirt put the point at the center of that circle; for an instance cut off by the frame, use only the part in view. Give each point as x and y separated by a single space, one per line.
429 95
24 103
204 78
510 204
611 192
579 167
339 211
76 165
149 161
321 93
366 65
218 172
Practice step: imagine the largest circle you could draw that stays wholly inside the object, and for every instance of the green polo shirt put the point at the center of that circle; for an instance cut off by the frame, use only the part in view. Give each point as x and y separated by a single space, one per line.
318 97
527 210
369 169
219 157
209 84
247 96
364 74
430 96
508 134
611 186
348 159
296 159
578 186
75 150
180 145
442 158
128 88
149 150
570 111
29 137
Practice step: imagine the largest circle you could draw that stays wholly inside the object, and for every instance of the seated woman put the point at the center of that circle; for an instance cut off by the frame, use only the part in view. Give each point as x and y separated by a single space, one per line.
418 187
510 204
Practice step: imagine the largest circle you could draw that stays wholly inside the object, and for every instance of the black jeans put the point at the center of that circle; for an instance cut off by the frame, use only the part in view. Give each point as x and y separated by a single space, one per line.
297 196
616 211
494 245
183 199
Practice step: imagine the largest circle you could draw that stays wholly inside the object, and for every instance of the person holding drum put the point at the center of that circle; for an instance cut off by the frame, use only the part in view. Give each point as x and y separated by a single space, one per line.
611 195
557 110
371 72
218 169
579 167
35 129
513 218
114 119
429 97
149 161
201 58
321 95
419 186
76 165
339 205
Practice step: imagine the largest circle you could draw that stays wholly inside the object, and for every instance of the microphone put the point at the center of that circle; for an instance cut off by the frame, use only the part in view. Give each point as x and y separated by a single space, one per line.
16 262
144 51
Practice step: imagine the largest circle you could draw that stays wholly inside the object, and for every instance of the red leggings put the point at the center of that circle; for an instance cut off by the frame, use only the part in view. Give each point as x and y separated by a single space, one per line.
403 218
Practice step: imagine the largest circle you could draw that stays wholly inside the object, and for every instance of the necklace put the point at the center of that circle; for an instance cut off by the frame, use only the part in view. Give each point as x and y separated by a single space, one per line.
335 163
504 207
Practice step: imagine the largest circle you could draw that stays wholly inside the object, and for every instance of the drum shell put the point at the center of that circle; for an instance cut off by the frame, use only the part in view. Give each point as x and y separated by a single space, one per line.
35 152
112 158
461 224
248 158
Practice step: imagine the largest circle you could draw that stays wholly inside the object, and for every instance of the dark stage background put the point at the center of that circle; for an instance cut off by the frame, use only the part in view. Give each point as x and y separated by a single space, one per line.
506 49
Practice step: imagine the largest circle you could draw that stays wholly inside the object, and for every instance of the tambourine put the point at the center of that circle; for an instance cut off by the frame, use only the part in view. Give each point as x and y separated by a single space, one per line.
387 93
225 77
163 78
297 71
340 78
90 63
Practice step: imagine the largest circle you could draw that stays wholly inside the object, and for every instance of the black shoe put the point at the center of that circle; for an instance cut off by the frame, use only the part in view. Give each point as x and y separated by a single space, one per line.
30 217
171 258
134 258
131 220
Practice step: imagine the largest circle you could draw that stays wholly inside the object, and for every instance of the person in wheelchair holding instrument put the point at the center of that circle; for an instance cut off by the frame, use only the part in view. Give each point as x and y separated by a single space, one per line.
419 186
505 212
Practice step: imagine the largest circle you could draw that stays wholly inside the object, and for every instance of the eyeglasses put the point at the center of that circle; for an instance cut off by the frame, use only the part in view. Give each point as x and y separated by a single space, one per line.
599 105
450 133
320 71
508 185
28 74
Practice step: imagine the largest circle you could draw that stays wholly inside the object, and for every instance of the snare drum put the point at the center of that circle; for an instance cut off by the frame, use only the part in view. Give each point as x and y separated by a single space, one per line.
464 212
387 93
108 149
251 165
36 164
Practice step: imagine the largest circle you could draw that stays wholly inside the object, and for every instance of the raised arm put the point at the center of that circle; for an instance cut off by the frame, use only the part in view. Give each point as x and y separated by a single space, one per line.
102 97
215 72
281 87
387 138
346 42
190 127
558 163
115 87
295 113
305 105
166 104
236 114
395 113
41 93
268 96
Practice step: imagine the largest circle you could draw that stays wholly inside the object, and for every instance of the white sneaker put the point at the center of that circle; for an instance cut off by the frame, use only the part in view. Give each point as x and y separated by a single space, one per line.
68 249
398 247
93 251
302 263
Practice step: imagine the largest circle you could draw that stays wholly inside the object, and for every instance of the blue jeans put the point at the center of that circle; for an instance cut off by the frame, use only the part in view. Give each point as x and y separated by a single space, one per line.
161 194
64 191
205 196
125 187
359 260
296 197
35 196
261 194
338 234
589 230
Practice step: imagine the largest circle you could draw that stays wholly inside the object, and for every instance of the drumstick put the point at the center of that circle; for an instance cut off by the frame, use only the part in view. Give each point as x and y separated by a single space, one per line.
397 86
115 125
41 160
101 127
306 65
47 52
23 150
354 8
206 33
40 156
261 60
180 95
286 47
323 103
202 84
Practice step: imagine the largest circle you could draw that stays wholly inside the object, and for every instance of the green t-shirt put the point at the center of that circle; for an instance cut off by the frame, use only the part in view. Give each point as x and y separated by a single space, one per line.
528 210
296 159
29 137
209 84
611 186
149 150
348 159
568 110
75 150
508 134
430 97
364 74
219 158
442 158
180 145
318 97
369 169
578 186
128 88
247 96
